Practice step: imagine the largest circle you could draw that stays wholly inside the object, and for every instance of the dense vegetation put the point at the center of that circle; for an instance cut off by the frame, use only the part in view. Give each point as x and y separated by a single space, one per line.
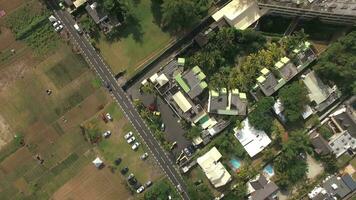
29 23
160 191
294 98
290 166
261 117
338 64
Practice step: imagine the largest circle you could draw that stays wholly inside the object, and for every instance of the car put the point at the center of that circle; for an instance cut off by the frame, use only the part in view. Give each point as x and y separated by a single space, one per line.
179 188
57 23
156 113
77 28
187 152
108 116
148 184
52 19
131 139
140 189
132 181
131 176
108 86
61 5
106 134
58 28
174 144
144 156
124 170
117 161
135 146
163 126
128 135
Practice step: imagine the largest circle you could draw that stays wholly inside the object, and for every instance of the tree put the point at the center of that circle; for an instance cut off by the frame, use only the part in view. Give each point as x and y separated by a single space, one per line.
239 192
290 42
294 98
193 132
160 191
148 88
261 117
179 14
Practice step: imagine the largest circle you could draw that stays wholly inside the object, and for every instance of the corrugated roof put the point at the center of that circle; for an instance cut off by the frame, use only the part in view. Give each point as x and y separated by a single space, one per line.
181 101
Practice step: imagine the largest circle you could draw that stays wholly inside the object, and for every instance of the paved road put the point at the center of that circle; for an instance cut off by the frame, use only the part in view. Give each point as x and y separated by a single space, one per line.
104 72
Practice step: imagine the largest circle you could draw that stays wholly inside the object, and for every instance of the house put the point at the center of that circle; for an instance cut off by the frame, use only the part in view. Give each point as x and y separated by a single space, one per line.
98 162
286 68
304 55
333 187
239 13
74 4
192 82
260 188
319 143
267 82
320 95
225 102
97 13
253 140
213 169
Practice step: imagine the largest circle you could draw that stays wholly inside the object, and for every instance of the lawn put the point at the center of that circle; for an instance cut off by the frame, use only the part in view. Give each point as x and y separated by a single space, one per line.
141 39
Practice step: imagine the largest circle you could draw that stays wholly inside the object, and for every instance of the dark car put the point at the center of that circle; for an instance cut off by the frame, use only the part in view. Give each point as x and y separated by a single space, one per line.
118 161
108 86
124 170
133 181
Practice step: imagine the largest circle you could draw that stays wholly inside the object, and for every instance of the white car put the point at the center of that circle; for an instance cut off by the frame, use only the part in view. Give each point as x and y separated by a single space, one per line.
52 19
58 28
144 156
140 189
128 135
108 116
135 146
106 134
78 29
131 139
57 23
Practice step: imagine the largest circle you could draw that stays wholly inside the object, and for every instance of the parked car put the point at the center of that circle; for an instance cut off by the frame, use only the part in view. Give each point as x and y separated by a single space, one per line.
156 113
132 181
108 116
174 144
130 176
61 5
163 127
52 19
140 189
148 184
58 28
144 156
128 135
106 134
78 29
135 146
118 161
124 170
131 139
57 23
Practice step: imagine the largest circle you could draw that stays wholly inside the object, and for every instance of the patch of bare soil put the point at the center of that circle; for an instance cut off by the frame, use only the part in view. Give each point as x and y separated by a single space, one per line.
6 134
11 74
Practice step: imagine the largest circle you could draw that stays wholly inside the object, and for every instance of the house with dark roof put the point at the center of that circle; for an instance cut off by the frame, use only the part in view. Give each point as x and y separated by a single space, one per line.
96 12
286 68
73 5
321 146
336 187
192 82
260 188
225 102
267 82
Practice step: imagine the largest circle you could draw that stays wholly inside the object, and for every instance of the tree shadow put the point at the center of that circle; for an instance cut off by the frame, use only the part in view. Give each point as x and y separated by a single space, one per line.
157 11
131 26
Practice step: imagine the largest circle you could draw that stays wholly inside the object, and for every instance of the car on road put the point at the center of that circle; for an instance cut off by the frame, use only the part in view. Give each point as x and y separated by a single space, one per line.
108 116
189 150
140 189
131 139
58 28
148 184
163 127
179 188
156 113
124 170
77 28
174 144
106 134
144 156
128 135
135 146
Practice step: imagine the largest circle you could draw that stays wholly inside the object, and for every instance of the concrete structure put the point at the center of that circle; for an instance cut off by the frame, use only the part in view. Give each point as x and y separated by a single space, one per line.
213 169
253 140
260 188
225 102
239 13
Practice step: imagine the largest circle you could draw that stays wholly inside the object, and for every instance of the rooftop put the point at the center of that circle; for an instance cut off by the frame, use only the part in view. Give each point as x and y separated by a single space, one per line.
181 101
227 103
96 12
321 146
318 91
192 82
253 140
213 169
336 187
261 188
267 82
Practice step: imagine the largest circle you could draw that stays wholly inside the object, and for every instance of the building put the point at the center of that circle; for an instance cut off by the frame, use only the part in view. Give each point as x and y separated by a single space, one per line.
239 13
213 169
320 95
260 188
321 146
253 140
97 13
286 68
74 4
267 82
225 102
192 82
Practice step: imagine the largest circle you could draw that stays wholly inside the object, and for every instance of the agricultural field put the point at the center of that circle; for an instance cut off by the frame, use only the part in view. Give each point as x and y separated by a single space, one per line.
140 40
43 151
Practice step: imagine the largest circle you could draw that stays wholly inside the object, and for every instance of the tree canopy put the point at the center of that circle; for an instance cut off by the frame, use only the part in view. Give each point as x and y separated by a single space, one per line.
294 98
160 191
261 117
338 64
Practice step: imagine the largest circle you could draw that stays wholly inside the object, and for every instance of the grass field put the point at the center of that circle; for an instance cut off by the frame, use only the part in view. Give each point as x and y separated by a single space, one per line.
140 40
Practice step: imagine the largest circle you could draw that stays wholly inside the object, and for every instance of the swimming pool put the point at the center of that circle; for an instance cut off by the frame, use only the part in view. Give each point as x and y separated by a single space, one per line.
269 170
235 163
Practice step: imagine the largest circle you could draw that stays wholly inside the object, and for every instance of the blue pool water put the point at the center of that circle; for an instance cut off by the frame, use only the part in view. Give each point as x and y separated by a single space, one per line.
236 164
269 170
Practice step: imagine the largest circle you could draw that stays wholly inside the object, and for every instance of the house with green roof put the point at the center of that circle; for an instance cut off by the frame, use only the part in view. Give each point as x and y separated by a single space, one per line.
192 81
224 102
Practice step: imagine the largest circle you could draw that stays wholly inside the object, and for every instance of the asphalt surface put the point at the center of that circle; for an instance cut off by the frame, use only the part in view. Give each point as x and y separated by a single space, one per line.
104 72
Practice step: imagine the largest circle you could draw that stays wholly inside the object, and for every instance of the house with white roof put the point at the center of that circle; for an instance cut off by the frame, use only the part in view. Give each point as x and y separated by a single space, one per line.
253 140
213 169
